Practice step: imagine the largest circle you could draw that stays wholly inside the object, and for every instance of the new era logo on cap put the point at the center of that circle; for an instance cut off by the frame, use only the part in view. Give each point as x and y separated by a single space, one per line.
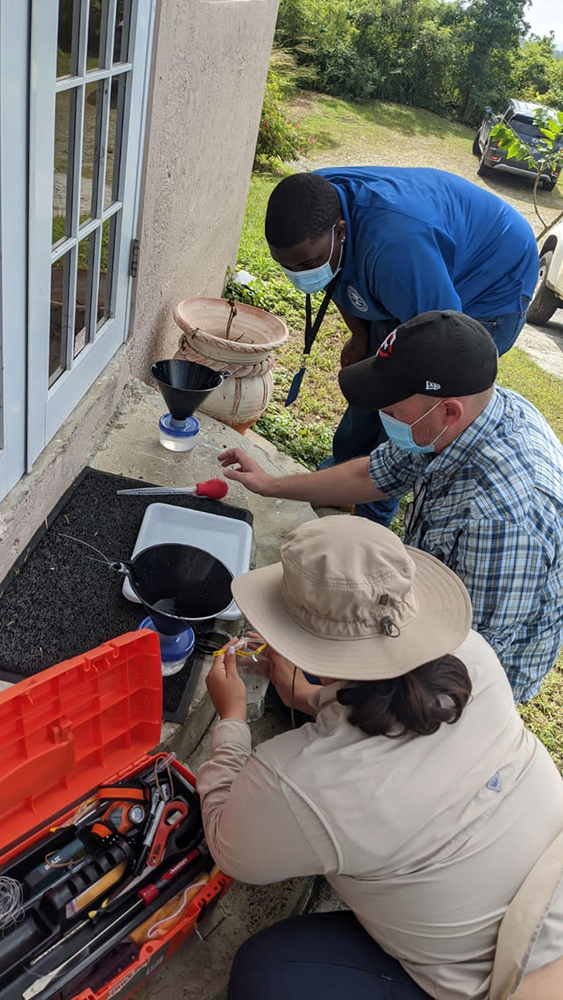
432 386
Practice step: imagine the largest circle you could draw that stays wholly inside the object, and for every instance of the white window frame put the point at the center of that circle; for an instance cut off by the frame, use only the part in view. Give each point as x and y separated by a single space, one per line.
48 408
14 61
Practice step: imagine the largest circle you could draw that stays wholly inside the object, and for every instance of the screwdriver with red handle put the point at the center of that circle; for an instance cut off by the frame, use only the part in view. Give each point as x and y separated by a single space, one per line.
195 861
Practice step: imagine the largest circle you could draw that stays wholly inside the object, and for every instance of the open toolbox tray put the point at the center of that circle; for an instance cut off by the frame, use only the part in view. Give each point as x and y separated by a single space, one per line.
77 727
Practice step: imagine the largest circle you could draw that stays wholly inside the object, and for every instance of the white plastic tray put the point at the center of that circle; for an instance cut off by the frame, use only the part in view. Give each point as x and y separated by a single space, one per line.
224 537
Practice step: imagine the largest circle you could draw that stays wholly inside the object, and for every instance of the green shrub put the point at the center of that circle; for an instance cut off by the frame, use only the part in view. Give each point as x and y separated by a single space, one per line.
279 139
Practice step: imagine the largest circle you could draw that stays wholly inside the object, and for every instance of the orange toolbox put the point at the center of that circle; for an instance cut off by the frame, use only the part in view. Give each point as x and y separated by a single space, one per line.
104 871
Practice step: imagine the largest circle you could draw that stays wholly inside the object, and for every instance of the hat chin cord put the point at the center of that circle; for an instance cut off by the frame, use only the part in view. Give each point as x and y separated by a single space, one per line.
293 698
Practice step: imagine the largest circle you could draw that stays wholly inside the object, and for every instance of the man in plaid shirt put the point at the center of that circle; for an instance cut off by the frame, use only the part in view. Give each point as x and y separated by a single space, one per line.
486 473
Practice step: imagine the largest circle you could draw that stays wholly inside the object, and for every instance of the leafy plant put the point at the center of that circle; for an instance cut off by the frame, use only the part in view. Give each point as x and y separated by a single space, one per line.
307 442
547 155
279 139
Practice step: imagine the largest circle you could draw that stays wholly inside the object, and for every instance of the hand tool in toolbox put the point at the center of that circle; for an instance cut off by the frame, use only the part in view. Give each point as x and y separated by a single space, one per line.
159 891
172 817
192 864
81 801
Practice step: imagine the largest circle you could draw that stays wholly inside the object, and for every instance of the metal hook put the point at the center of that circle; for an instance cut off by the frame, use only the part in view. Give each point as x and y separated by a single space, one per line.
390 628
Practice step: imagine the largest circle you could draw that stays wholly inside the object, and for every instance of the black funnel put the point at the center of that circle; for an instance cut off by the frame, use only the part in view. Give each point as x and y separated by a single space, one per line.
184 385
178 585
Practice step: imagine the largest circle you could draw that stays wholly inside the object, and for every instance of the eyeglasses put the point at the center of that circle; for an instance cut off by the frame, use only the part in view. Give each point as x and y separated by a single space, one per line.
413 512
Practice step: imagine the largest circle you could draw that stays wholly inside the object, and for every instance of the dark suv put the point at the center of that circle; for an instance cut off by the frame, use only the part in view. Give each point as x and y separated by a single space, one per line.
520 116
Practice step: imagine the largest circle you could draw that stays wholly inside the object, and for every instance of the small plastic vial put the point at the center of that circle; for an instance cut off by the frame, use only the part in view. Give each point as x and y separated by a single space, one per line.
178 435
253 666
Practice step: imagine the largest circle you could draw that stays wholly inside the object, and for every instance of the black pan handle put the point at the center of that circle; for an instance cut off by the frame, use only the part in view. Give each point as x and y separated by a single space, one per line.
122 566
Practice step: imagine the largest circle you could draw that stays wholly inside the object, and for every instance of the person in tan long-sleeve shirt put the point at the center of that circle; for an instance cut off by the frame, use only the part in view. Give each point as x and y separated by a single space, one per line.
417 791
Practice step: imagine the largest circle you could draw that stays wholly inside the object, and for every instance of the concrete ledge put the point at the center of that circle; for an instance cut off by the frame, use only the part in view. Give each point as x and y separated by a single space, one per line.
131 447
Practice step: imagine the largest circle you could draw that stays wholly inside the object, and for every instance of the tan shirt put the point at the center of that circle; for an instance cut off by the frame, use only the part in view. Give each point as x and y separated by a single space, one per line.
427 839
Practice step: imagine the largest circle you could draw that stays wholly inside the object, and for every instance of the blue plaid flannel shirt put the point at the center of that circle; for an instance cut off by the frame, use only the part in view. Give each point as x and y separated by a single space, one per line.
490 506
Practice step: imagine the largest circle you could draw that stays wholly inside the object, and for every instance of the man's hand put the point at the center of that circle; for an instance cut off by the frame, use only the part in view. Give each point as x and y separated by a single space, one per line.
281 676
342 484
248 472
355 349
226 689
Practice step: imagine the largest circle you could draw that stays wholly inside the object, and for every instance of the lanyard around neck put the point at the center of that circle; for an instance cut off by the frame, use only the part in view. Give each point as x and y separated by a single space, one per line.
312 327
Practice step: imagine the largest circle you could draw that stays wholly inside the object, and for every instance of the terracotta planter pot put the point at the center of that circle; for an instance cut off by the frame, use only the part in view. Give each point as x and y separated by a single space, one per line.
247 354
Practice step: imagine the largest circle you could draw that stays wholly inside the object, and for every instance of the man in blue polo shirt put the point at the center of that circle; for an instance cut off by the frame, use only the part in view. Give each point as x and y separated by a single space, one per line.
400 242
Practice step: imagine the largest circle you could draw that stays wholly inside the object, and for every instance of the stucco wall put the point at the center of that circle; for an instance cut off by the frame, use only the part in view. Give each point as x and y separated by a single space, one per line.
211 60
209 68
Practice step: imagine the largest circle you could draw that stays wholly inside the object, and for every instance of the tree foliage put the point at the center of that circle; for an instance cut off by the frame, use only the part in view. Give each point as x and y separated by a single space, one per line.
450 57
546 155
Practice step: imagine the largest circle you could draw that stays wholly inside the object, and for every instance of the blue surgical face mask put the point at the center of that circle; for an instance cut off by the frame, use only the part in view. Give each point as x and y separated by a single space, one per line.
401 434
317 278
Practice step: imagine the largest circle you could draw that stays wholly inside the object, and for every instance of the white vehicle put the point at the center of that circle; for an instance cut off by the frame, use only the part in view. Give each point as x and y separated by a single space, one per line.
548 294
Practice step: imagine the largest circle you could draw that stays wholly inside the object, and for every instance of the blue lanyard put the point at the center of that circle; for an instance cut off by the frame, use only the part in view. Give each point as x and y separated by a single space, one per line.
311 330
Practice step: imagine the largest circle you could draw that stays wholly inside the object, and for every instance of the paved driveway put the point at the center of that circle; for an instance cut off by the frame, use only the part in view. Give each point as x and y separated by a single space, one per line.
545 344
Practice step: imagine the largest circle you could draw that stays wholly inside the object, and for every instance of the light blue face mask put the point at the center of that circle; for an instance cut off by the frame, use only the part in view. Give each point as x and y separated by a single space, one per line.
401 434
317 278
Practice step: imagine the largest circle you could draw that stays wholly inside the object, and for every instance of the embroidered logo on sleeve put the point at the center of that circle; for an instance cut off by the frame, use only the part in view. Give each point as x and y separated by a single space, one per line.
356 299
386 347
495 784
433 385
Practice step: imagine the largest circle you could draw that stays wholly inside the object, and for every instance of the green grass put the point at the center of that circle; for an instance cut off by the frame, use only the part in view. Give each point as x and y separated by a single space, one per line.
544 715
346 133
519 373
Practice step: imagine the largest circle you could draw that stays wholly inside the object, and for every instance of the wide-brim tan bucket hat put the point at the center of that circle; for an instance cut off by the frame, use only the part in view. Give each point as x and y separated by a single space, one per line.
348 600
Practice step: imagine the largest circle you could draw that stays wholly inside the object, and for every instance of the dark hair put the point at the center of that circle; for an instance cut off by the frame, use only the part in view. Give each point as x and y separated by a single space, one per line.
301 207
418 702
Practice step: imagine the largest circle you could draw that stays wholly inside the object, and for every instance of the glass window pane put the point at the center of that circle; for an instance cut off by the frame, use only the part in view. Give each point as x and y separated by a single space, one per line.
64 102
90 148
94 55
84 278
112 164
59 299
104 282
121 37
105 305
67 39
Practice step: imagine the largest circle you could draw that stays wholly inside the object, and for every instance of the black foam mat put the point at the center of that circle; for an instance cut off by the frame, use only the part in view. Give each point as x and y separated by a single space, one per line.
58 601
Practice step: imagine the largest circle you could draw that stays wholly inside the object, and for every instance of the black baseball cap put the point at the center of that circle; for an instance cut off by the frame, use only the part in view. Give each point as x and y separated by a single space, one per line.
437 354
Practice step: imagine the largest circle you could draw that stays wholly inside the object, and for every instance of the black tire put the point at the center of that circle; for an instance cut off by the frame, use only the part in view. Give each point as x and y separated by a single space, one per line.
483 170
549 185
544 301
476 146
